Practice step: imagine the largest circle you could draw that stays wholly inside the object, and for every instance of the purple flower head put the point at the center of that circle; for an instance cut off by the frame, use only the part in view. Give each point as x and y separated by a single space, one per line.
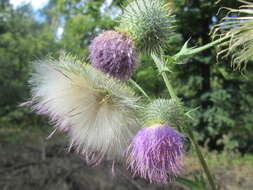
113 53
156 153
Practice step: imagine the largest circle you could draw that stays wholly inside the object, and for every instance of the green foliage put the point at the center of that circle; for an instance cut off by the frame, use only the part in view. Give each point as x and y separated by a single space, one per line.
77 35
222 94
22 40
82 22
79 30
197 183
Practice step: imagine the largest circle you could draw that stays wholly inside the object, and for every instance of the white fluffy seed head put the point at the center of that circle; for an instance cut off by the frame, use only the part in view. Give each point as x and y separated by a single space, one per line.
99 113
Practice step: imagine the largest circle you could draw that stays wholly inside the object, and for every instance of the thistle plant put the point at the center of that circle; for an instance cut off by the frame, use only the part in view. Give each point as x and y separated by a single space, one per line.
237 26
98 110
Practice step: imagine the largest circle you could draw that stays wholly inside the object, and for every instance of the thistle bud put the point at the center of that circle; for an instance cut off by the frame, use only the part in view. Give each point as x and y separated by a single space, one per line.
150 23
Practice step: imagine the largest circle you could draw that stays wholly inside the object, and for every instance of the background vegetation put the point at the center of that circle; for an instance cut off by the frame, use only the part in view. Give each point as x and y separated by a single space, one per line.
224 120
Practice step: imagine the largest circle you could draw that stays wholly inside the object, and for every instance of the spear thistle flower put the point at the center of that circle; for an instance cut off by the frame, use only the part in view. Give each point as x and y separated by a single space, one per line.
157 150
155 153
149 22
98 112
113 53
238 27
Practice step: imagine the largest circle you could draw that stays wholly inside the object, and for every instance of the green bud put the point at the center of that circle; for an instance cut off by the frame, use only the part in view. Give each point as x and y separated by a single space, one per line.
150 23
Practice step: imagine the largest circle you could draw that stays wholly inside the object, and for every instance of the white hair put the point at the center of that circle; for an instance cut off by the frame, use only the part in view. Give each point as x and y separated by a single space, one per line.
99 113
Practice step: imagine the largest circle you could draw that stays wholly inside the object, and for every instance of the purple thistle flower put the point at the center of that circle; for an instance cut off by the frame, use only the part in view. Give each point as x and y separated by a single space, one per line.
156 153
113 53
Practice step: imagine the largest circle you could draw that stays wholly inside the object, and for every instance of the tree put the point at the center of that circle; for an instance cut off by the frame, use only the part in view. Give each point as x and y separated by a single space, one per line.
23 40
81 20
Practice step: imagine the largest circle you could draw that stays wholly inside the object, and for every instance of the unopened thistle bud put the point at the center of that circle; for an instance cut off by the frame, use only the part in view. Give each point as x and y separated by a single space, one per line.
149 22
156 152
98 112
239 32
113 53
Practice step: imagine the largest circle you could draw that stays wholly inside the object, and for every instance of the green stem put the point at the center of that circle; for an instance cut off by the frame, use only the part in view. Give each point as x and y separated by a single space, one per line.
139 88
160 64
201 159
169 87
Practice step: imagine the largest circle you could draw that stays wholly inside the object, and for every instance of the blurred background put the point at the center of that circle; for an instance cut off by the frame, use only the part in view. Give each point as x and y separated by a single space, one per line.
33 29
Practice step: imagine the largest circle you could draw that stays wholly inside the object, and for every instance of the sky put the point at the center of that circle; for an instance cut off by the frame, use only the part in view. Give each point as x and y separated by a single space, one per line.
37 4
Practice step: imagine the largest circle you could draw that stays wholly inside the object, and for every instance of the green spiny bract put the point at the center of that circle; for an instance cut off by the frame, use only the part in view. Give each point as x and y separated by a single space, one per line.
164 111
150 23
